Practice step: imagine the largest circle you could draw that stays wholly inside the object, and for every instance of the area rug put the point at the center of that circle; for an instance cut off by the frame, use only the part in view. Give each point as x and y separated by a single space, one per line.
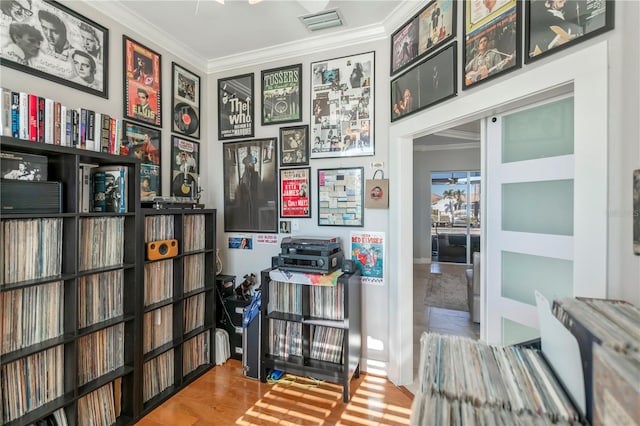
447 289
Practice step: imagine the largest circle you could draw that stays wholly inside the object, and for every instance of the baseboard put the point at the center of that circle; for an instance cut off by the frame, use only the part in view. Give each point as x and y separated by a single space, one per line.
422 260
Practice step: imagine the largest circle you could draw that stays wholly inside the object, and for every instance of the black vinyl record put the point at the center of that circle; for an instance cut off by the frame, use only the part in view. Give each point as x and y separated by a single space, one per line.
182 185
185 118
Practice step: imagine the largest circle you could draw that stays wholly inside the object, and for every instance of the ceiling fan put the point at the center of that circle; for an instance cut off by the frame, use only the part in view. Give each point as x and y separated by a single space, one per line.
251 2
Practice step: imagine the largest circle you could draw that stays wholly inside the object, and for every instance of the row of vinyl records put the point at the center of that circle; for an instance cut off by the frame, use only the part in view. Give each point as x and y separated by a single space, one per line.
325 302
158 278
161 227
100 353
285 339
100 297
101 242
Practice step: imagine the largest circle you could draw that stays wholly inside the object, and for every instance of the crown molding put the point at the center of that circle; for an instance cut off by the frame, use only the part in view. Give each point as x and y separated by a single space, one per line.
446 146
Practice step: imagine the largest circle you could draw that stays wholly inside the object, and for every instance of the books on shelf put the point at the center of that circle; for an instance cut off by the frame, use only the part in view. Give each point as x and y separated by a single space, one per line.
110 187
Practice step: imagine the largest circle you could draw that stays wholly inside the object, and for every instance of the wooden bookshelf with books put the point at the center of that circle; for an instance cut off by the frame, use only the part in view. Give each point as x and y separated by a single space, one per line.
67 298
178 300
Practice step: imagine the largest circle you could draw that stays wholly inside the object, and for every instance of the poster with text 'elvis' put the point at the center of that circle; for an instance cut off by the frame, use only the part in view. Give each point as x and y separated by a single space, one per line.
342 99
142 83
235 107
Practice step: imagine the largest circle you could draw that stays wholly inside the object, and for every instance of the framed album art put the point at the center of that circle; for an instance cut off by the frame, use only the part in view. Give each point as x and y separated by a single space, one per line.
144 143
428 30
342 100
341 197
142 85
250 178
185 167
492 40
294 146
553 26
295 192
185 101
282 95
235 107
55 43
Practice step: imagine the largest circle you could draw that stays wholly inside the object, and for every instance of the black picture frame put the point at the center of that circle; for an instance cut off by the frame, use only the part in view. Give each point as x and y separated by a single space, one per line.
281 94
294 146
295 192
250 196
430 82
415 39
492 40
185 167
57 60
547 33
135 143
142 75
341 197
236 107
185 101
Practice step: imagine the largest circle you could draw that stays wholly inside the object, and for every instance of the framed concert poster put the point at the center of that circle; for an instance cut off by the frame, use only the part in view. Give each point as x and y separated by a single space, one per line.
553 26
250 178
51 41
185 167
295 192
340 197
294 146
282 95
492 40
144 143
235 107
142 85
342 100
430 82
428 30
185 101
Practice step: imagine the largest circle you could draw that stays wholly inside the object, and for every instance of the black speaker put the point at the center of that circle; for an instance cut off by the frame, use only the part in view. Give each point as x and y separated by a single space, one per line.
348 266
19 196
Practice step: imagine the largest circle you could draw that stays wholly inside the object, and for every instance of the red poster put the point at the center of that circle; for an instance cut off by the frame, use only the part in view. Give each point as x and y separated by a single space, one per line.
295 197
142 83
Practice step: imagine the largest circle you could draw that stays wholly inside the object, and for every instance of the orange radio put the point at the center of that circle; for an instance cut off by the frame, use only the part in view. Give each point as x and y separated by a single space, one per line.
162 249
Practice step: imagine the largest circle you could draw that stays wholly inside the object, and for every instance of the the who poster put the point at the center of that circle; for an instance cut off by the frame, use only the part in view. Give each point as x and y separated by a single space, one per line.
367 251
281 95
235 107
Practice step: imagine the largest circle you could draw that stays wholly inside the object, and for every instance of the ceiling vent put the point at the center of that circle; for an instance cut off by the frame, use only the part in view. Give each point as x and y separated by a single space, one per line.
322 20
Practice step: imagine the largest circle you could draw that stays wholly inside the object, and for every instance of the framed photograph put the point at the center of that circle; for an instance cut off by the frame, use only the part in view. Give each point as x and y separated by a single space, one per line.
185 167
142 85
431 28
492 39
553 26
185 101
342 100
145 143
340 197
294 146
282 95
51 41
428 83
250 186
295 192
235 107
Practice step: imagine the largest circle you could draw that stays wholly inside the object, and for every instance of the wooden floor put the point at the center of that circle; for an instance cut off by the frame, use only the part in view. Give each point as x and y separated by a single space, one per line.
223 396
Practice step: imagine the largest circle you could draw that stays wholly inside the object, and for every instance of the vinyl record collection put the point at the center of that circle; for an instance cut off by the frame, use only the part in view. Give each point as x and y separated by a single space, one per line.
158 228
100 353
158 281
193 272
285 298
285 338
327 302
157 375
99 297
104 232
194 232
158 328
195 353
327 344
194 312
100 407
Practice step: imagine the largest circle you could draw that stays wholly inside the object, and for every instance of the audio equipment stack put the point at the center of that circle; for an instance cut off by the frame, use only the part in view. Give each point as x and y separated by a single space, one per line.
320 255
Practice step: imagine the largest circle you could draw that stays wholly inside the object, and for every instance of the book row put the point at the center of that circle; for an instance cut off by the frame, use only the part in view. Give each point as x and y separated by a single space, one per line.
195 353
101 242
100 353
157 375
100 297
103 188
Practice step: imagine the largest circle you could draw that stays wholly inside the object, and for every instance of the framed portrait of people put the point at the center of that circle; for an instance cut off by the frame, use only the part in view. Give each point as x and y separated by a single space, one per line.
185 167
341 197
142 83
295 192
551 26
282 95
250 177
428 30
51 41
185 101
294 146
342 106
144 143
492 39
235 107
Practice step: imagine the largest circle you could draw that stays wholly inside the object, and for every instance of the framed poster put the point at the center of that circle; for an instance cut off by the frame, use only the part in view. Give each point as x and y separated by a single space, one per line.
185 167
142 85
551 26
294 146
51 41
429 29
250 186
367 251
235 107
429 83
492 39
636 209
145 143
295 192
342 100
282 95
340 197
185 101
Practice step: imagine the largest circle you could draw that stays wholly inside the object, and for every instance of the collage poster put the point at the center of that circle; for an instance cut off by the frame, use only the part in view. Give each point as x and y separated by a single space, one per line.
142 85
367 251
185 170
